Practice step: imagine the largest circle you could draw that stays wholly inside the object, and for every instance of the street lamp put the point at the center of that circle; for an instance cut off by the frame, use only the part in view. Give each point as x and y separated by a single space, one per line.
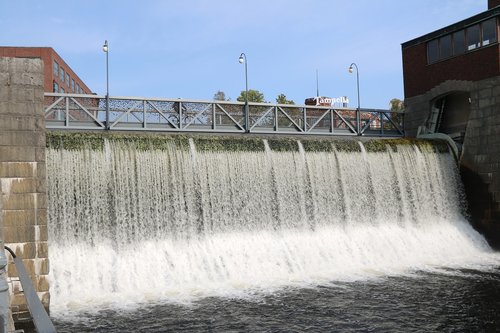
358 116
243 60
105 48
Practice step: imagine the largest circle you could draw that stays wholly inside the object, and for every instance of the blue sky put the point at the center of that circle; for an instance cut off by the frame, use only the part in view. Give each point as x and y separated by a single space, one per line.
190 48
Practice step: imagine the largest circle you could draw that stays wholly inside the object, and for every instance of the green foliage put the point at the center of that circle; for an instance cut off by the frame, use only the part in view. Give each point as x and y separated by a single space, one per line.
396 105
154 141
253 96
283 144
281 99
74 140
222 143
346 145
95 141
318 145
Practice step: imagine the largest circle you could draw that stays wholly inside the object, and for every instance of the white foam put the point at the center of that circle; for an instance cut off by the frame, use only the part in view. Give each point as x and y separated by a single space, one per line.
150 225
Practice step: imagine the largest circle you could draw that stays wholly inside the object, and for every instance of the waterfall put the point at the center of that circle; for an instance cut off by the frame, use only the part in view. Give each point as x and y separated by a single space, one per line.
131 224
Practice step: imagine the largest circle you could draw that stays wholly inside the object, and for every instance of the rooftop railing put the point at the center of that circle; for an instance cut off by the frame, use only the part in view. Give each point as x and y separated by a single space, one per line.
88 112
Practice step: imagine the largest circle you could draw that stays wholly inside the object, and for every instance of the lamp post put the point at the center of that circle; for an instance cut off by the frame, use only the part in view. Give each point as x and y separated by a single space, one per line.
243 60
358 116
105 48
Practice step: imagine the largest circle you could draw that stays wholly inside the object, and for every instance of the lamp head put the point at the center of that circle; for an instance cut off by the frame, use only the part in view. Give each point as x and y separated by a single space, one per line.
105 46
241 59
350 69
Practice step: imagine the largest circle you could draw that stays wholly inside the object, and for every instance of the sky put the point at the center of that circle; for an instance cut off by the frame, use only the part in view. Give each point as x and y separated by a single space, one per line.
190 48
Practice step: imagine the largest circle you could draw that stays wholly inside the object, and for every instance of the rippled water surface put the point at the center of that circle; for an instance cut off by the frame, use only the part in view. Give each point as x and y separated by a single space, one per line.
454 301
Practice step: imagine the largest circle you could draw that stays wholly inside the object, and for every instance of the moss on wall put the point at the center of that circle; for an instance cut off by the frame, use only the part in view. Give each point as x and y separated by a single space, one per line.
209 142
221 143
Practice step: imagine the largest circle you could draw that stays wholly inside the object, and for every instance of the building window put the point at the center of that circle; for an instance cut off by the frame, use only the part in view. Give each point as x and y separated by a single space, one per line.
432 51
62 90
61 74
489 31
473 35
445 50
56 68
78 89
72 85
459 42
462 41
56 87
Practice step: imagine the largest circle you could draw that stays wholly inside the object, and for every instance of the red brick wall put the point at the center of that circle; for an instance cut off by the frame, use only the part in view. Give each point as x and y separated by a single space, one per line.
473 66
71 73
493 3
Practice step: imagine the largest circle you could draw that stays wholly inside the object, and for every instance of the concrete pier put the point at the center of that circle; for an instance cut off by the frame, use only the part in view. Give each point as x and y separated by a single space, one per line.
23 216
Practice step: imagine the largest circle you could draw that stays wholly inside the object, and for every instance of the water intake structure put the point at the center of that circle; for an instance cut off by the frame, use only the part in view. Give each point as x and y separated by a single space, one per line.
172 219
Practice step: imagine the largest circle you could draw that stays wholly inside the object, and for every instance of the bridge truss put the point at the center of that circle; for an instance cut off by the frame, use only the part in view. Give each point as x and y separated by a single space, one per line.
89 112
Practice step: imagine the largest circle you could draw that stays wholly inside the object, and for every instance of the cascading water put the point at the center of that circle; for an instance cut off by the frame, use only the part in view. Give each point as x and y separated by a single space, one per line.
130 224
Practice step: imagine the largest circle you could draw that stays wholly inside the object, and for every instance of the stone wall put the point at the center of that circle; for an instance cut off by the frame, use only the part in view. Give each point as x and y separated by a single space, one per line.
480 161
480 158
22 176
417 109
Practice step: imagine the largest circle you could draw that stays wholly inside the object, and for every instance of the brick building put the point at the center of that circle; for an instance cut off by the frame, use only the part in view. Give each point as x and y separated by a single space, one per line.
58 75
440 67
452 90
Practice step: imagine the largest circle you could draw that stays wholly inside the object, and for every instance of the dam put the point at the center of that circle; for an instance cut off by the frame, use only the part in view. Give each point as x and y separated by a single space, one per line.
172 219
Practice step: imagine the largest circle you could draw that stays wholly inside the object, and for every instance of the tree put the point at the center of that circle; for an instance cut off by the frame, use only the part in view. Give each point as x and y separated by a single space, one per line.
281 99
397 106
253 96
220 96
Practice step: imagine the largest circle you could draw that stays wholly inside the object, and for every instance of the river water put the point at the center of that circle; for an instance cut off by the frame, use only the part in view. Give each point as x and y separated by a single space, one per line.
440 301
273 239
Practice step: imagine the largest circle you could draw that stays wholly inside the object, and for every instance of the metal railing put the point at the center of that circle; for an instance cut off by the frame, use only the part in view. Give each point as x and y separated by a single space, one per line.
88 112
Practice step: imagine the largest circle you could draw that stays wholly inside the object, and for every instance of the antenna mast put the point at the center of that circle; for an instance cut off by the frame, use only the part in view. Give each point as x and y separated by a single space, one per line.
317 84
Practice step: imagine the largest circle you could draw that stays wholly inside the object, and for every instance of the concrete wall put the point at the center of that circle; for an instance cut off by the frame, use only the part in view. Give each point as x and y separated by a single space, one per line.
417 109
480 162
480 159
22 175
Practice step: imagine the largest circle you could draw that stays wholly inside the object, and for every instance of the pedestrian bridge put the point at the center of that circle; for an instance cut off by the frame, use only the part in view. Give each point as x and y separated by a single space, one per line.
93 112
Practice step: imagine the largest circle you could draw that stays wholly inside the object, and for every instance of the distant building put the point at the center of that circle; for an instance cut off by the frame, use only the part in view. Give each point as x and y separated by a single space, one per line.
369 119
327 101
58 76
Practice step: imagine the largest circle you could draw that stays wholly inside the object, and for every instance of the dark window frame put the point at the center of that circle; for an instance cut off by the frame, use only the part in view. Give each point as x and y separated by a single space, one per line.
467 46
433 54
495 38
56 68
463 47
445 53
